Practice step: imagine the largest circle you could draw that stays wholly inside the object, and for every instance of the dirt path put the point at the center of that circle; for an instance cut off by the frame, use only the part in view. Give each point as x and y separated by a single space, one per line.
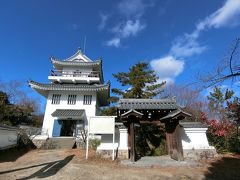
71 164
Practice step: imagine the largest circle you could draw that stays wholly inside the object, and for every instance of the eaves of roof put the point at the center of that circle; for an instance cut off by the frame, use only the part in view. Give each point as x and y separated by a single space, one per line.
193 125
131 112
175 113
68 113
70 87
56 62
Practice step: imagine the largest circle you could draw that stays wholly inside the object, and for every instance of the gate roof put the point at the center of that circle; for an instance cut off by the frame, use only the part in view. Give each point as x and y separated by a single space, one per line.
166 103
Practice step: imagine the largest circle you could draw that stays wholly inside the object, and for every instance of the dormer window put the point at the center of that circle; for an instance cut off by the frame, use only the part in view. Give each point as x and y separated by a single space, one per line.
72 99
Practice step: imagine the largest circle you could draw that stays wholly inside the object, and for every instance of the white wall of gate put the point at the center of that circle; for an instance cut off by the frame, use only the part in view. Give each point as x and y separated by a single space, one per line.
195 138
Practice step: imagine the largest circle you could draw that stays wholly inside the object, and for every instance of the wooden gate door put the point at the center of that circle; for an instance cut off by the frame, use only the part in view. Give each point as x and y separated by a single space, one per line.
174 143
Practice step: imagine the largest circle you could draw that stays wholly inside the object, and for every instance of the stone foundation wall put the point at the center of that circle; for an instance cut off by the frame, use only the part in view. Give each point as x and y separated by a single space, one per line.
104 153
199 154
120 154
38 143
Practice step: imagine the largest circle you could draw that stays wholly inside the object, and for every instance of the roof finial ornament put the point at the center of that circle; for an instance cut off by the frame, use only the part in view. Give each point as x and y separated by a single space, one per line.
79 50
84 44
174 98
51 58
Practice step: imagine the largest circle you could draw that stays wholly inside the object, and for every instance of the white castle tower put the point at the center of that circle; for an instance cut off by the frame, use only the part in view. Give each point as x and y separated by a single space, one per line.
75 94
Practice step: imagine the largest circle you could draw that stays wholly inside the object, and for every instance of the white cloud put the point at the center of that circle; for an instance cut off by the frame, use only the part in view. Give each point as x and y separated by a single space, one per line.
75 26
125 30
103 20
188 45
168 80
227 15
133 8
130 24
167 67
170 66
128 28
115 42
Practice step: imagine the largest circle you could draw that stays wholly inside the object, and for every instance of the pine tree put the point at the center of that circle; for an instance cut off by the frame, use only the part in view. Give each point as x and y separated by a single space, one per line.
140 81
217 102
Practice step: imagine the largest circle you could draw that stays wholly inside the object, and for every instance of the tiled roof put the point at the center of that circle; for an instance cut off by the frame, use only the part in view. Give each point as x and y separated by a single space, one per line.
175 113
101 89
70 87
75 63
167 103
68 113
192 125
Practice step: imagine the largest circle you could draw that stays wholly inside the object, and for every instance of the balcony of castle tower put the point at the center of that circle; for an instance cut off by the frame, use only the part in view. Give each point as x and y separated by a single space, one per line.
74 76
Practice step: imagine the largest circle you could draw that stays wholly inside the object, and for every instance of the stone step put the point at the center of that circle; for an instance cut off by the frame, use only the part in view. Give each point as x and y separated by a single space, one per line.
60 143
39 140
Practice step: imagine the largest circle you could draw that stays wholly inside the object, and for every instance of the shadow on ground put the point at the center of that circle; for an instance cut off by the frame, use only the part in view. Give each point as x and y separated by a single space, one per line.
10 155
224 168
49 169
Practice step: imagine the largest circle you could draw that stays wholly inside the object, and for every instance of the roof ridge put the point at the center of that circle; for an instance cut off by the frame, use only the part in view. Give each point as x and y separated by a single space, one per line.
71 58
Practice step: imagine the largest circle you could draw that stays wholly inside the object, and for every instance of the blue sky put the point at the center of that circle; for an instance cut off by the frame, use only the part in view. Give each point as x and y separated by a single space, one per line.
178 38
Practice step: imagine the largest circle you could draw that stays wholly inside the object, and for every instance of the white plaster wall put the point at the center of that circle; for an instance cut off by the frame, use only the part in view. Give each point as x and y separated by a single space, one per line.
90 110
121 140
72 69
107 141
194 138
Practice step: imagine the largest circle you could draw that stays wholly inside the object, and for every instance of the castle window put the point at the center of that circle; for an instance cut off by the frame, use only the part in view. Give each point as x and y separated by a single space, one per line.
56 98
87 99
72 99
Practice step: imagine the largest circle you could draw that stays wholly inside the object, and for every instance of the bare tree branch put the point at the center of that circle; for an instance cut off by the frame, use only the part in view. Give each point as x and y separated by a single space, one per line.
225 70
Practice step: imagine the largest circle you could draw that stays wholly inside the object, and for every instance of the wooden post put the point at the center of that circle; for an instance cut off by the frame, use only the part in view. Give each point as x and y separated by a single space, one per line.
179 143
169 138
174 142
132 137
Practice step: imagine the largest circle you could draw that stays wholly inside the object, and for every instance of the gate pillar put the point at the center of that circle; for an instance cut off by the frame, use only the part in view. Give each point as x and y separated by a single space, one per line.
174 142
